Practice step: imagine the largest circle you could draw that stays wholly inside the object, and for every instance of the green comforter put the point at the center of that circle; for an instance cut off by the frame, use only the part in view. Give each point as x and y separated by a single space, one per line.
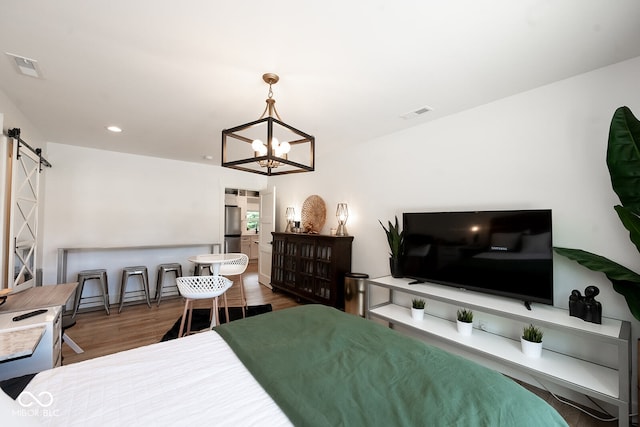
327 368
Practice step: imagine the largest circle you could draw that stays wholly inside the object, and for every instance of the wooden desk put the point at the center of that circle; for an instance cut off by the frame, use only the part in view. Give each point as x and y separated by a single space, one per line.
39 297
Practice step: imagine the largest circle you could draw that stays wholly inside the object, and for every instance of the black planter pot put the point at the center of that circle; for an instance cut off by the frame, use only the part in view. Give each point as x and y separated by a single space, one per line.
395 267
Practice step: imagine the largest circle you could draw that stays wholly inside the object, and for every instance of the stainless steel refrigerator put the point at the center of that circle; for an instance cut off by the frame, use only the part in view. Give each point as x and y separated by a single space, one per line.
232 229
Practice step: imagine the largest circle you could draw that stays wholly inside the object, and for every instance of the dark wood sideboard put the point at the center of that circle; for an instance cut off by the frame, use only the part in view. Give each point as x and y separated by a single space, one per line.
311 266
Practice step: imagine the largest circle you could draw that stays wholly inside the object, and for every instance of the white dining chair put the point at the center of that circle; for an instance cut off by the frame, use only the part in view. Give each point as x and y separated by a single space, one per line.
236 267
202 287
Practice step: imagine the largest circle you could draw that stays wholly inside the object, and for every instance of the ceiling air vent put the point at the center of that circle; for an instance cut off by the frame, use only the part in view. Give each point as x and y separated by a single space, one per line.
416 113
25 66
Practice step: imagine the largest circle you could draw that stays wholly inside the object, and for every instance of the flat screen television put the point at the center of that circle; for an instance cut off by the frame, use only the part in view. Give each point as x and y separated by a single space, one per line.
507 253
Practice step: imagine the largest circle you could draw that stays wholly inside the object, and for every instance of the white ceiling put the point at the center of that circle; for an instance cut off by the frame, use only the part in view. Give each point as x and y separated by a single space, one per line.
173 74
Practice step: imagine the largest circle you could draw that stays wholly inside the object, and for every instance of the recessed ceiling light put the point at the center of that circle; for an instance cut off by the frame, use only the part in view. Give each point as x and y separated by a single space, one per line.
25 66
114 129
207 157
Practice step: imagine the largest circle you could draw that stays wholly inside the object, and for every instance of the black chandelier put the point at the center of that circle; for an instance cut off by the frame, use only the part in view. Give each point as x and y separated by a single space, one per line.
268 146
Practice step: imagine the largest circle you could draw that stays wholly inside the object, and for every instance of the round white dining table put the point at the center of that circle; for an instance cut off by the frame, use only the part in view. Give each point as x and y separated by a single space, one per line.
213 261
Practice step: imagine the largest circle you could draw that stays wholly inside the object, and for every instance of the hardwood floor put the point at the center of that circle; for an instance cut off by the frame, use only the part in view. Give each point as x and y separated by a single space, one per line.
98 334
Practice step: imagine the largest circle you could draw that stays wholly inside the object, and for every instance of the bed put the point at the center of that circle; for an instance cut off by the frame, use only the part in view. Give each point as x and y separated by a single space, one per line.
309 365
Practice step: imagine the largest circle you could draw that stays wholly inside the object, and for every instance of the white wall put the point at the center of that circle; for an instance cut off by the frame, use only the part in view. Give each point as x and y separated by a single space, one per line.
544 148
101 198
541 149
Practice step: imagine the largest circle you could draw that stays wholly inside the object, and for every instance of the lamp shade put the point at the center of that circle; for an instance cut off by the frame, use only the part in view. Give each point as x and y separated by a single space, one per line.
290 214
342 214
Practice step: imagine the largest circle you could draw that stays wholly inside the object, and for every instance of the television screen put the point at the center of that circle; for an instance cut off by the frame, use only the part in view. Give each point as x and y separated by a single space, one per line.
506 253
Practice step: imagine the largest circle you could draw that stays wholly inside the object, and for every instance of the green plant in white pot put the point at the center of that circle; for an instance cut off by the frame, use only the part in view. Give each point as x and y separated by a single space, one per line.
417 308
464 321
531 341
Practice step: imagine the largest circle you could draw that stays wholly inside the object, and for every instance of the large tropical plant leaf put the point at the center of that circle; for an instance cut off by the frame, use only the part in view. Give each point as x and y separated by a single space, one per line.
626 282
631 221
623 161
599 263
623 157
631 293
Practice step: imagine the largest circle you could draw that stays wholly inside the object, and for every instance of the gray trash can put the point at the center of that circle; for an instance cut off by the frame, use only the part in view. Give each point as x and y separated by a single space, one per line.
354 293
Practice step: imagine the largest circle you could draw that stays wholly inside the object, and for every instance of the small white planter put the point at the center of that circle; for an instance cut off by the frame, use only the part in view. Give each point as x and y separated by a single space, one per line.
531 349
464 328
417 313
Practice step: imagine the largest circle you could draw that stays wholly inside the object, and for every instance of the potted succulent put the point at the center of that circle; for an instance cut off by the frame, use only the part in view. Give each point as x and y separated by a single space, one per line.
395 238
464 321
531 341
417 308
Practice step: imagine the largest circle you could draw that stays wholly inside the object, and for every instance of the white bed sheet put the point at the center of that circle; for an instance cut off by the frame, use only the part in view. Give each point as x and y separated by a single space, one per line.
196 380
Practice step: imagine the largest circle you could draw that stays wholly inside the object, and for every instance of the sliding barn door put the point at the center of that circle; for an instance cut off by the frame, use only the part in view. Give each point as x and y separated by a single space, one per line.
23 217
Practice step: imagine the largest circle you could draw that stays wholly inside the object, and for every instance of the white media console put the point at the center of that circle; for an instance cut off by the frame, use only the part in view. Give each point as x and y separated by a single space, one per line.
590 359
